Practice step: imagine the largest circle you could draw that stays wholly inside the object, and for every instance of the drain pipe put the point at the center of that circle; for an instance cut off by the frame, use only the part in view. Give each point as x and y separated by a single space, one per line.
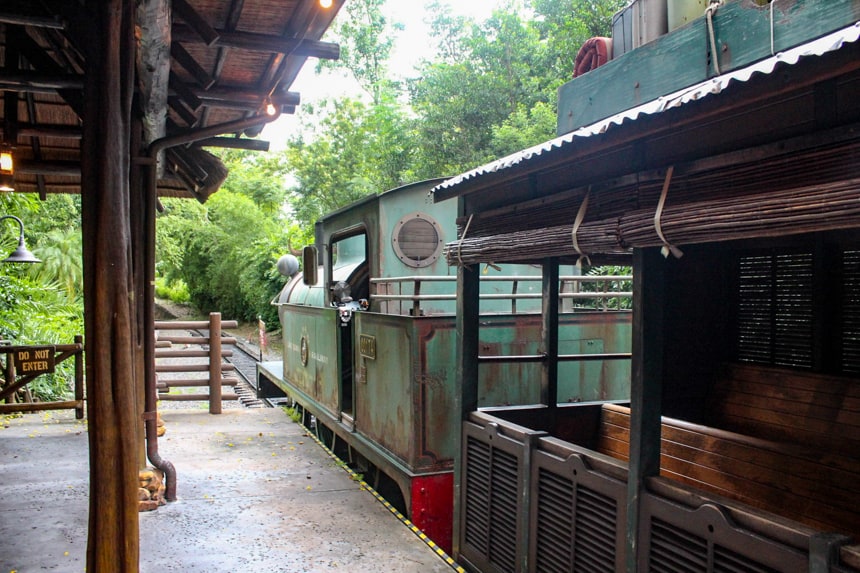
151 393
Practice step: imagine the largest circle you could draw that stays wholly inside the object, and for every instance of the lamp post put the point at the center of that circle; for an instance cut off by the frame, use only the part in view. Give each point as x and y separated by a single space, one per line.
22 254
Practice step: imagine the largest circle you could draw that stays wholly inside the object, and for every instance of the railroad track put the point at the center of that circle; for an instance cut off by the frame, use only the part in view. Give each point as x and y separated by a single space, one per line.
246 371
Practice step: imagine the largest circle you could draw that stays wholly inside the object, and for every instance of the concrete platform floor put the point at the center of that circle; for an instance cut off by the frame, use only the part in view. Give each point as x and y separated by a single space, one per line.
256 495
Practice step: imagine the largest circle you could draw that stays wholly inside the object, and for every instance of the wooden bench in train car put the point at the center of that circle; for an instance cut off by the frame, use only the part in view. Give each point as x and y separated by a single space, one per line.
819 411
817 488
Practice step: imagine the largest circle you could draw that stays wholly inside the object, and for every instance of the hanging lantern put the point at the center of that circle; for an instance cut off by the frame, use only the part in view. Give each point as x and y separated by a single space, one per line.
7 169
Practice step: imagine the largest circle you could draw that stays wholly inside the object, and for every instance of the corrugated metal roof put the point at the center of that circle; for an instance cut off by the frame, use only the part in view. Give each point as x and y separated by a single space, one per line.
829 43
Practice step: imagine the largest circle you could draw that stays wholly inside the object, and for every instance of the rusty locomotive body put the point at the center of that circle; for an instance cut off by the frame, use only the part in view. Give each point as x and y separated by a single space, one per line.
370 344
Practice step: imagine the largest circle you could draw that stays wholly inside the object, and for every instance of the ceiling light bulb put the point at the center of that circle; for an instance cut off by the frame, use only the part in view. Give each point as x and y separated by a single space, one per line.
6 164
325 3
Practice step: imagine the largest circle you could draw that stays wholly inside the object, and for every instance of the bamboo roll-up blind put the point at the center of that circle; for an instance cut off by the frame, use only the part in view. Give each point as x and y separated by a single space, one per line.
807 209
597 237
791 212
803 168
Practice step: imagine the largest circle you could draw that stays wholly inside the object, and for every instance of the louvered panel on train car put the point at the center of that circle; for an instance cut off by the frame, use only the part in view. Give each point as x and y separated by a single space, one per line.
493 513
579 515
679 539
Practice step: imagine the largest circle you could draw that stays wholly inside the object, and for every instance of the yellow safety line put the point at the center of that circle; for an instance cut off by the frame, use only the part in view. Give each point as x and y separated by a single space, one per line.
403 519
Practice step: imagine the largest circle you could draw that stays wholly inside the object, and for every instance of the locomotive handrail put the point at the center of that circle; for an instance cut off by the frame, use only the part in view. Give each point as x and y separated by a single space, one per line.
528 295
518 278
576 281
523 358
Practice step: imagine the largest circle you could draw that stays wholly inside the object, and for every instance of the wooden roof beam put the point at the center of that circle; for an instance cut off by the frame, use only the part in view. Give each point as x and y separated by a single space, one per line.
229 98
264 43
32 20
201 27
34 82
185 93
10 99
49 130
44 64
36 146
245 99
61 168
178 106
184 59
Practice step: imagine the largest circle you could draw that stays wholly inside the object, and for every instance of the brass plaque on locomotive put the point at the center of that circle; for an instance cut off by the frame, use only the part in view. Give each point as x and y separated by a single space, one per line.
304 351
367 346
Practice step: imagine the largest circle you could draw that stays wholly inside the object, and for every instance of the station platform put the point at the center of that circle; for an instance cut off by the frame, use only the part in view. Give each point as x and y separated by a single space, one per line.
256 494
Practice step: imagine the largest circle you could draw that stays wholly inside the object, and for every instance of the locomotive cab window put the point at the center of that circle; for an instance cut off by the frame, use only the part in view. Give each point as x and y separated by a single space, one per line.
349 268
417 240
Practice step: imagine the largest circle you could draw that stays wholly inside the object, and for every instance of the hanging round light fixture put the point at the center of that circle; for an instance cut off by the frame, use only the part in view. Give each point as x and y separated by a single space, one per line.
21 254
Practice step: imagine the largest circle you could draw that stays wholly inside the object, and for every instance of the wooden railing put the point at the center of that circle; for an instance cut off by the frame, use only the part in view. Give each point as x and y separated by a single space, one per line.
214 364
38 361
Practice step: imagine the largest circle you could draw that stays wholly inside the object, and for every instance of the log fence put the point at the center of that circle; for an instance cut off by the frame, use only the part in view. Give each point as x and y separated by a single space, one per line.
40 360
169 346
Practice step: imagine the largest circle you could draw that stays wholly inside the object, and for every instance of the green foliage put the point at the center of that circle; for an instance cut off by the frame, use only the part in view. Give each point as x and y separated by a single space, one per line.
492 73
609 303
41 303
175 290
294 413
524 128
179 221
259 176
228 261
60 251
567 24
366 40
37 313
360 150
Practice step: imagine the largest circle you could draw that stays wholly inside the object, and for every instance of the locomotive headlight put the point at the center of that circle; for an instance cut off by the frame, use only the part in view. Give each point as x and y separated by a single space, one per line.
345 316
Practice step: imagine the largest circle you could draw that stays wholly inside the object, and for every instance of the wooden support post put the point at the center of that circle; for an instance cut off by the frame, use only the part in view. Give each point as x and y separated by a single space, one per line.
79 378
466 383
113 540
214 362
646 386
549 334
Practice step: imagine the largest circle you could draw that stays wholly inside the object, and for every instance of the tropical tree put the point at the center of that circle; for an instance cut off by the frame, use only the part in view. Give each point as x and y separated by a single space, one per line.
366 39
41 303
60 251
358 150
489 71
226 259
567 24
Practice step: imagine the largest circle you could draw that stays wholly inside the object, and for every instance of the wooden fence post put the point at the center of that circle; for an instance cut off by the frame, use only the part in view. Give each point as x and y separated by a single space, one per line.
79 377
214 362
10 377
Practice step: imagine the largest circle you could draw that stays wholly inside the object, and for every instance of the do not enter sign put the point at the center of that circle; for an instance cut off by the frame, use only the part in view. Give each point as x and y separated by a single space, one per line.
34 359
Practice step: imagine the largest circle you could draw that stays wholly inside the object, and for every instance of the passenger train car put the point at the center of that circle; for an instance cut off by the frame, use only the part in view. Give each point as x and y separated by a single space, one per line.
726 156
370 344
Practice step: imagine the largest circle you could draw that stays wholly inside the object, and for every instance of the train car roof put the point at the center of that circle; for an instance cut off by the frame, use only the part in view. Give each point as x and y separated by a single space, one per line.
429 183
